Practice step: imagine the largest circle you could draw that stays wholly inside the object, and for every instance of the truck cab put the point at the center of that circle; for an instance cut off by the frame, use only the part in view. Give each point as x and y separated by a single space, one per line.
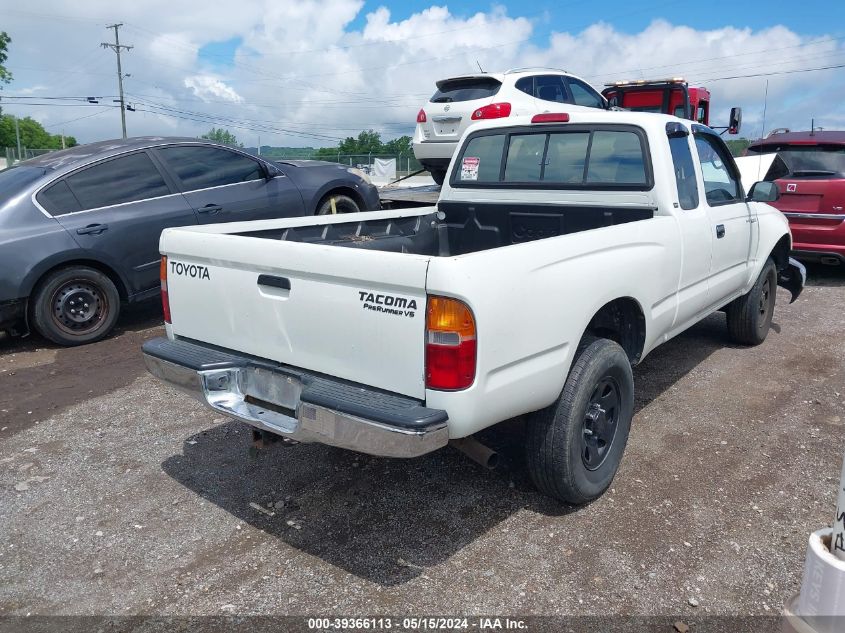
669 96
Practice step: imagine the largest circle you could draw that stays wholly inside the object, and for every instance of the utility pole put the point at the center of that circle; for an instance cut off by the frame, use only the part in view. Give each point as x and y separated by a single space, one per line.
18 137
116 48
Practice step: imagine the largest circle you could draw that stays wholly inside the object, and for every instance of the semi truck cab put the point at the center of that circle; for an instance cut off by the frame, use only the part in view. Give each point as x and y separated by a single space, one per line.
670 96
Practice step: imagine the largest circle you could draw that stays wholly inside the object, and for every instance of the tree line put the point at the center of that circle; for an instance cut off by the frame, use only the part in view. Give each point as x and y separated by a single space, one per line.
32 133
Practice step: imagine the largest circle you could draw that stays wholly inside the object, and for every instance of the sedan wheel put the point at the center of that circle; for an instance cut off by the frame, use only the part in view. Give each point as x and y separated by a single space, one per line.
74 306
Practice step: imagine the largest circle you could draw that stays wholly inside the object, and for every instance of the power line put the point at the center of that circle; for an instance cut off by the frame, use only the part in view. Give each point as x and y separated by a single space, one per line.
87 116
777 72
731 56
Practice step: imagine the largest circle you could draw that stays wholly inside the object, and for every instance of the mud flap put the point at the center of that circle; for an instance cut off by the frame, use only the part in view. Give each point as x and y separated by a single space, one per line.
793 277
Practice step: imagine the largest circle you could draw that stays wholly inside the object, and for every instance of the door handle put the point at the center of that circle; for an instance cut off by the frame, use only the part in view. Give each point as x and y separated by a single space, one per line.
93 229
210 208
720 231
283 283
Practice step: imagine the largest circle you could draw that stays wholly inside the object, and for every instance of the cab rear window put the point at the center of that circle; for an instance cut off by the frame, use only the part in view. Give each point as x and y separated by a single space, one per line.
576 157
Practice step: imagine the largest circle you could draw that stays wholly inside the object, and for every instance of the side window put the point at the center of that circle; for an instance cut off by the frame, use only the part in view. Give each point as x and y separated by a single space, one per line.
550 88
482 159
583 95
58 199
720 185
525 156
116 181
526 85
684 172
201 167
617 158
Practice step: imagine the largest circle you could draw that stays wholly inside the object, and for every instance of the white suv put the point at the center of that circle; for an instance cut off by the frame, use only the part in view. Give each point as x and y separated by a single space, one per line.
461 101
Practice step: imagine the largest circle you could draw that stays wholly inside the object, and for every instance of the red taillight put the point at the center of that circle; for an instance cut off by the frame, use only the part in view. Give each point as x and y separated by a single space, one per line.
450 350
492 111
551 117
421 116
165 299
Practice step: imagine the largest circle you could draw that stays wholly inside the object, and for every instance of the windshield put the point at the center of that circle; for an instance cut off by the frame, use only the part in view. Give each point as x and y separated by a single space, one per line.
810 160
13 179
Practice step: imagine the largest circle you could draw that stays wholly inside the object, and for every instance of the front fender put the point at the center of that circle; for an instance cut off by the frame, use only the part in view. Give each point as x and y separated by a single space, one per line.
776 242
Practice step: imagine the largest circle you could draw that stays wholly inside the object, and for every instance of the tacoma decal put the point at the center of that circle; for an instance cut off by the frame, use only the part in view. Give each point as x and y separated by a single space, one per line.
388 304
189 270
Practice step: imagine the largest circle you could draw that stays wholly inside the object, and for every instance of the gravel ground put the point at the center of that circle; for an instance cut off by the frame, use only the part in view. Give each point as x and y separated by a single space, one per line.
119 495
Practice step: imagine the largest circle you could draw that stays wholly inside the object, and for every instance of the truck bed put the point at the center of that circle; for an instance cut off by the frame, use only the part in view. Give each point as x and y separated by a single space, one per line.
458 228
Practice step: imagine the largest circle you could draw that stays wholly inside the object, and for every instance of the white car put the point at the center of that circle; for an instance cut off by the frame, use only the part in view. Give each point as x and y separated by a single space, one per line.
564 248
461 101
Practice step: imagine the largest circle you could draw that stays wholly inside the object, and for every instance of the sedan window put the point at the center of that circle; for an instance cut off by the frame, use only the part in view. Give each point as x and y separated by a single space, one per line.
59 199
116 181
201 167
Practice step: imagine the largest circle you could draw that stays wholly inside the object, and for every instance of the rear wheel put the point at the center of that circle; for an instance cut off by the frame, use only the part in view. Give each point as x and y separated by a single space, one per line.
575 446
750 316
342 204
74 306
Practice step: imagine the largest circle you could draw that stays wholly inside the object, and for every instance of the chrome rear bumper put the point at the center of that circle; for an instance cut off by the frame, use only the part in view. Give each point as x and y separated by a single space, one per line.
298 405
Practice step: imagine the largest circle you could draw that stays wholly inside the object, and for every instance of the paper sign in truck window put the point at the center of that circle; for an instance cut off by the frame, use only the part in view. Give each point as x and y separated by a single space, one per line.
469 168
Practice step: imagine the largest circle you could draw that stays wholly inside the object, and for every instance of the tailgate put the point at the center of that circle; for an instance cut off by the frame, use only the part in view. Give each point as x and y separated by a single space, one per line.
349 313
819 195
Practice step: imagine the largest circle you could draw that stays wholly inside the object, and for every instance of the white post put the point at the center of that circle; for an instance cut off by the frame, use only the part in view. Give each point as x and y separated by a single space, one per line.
837 539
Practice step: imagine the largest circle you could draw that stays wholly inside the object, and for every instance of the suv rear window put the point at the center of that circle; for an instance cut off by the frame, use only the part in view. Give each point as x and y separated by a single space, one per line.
822 161
468 89
586 157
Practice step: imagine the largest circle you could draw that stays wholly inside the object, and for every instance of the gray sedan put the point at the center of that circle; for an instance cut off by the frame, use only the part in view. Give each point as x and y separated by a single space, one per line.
79 228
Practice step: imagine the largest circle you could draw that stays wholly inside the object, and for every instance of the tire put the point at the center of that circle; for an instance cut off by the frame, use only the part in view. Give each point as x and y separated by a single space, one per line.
75 306
342 204
574 447
438 176
750 316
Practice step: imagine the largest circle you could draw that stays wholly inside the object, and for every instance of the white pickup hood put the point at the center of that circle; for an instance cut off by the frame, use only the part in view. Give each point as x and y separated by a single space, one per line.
350 313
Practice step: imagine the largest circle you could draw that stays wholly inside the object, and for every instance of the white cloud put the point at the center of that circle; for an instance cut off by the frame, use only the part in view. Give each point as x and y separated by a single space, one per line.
304 76
210 88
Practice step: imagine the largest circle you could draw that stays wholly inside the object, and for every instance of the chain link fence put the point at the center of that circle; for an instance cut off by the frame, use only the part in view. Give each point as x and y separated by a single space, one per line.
405 163
12 156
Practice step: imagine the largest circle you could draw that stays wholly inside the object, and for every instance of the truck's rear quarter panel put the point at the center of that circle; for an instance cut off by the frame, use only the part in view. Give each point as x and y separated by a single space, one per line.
533 301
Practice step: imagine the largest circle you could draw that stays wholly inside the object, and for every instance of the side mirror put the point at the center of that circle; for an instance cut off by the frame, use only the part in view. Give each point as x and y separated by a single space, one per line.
271 171
763 191
735 121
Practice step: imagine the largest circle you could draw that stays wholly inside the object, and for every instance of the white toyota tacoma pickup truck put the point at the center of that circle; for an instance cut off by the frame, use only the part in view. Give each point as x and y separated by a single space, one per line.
562 250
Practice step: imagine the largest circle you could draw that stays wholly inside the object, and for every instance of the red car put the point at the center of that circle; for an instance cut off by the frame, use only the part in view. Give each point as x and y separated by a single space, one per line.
810 173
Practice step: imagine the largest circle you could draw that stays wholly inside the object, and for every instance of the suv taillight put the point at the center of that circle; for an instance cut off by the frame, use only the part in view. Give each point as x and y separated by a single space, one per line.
450 349
421 116
165 299
492 111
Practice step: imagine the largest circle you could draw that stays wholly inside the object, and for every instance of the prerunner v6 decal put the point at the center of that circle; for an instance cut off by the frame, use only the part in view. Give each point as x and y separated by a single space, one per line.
389 304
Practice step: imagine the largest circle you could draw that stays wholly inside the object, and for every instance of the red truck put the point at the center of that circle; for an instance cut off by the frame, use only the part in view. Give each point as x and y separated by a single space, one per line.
809 170
669 96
